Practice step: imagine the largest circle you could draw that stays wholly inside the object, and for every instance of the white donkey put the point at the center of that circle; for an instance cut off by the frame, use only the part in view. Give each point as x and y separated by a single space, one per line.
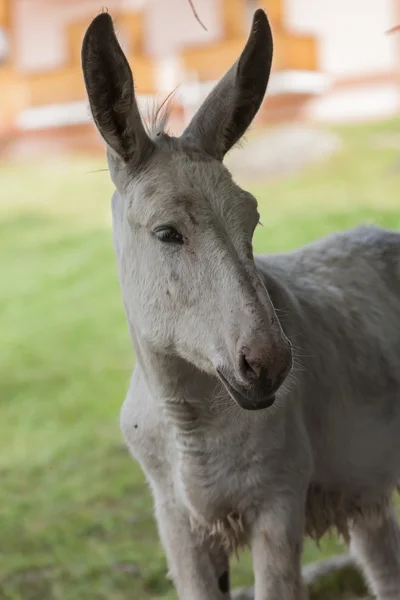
265 402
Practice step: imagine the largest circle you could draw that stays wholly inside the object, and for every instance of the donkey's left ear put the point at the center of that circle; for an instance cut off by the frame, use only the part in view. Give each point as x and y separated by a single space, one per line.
109 84
230 108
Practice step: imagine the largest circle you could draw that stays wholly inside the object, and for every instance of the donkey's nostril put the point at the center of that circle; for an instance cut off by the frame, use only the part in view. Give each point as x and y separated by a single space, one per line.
249 369
262 365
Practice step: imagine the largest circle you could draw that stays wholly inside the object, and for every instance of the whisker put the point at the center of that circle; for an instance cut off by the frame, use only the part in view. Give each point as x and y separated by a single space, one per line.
97 171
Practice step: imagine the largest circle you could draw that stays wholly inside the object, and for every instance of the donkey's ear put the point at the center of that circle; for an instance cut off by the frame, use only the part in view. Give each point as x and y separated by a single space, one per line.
230 108
109 85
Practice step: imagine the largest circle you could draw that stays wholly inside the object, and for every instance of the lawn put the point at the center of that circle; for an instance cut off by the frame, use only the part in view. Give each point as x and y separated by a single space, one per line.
75 513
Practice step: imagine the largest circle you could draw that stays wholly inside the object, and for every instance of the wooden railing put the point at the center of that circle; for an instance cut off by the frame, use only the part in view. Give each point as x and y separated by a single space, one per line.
210 62
13 97
66 85
53 87
295 52
235 16
274 10
4 13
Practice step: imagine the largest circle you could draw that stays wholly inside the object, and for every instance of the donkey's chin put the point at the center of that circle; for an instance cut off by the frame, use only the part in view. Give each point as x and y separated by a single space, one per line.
247 398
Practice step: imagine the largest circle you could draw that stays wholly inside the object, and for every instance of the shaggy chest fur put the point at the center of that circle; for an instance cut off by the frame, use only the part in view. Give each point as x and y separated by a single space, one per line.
218 490
212 483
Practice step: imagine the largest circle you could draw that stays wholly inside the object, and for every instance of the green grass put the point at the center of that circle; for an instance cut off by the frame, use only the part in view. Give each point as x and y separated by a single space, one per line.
75 514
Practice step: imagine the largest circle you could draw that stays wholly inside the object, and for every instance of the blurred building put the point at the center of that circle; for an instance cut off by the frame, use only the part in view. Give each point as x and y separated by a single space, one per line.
333 60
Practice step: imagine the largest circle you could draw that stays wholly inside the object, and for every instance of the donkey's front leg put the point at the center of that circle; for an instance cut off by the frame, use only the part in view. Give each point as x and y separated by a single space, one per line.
277 542
376 545
199 569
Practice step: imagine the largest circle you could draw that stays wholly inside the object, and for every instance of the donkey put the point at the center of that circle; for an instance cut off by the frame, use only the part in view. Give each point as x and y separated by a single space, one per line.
265 401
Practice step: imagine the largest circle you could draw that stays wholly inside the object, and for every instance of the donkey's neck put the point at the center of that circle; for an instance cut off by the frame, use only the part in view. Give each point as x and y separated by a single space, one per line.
178 386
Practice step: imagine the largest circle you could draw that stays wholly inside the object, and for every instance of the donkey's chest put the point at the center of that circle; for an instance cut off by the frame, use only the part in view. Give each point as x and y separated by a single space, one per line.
216 495
217 480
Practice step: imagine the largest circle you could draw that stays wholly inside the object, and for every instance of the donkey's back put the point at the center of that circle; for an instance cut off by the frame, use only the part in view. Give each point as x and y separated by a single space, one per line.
339 302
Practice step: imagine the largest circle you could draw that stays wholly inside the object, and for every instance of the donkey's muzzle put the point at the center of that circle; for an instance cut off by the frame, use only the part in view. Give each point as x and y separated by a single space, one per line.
257 377
253 397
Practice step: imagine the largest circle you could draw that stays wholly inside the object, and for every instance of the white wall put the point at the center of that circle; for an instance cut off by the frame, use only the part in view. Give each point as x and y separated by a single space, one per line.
170 24
41 41
356 104
351 33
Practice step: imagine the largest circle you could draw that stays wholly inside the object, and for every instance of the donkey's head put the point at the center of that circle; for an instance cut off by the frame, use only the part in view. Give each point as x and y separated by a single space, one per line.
182 228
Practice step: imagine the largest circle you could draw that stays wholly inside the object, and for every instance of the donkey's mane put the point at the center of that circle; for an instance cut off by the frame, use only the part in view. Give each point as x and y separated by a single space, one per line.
159 114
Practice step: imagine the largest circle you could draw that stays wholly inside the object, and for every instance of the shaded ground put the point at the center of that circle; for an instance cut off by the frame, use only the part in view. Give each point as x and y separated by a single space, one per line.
75 514
335 578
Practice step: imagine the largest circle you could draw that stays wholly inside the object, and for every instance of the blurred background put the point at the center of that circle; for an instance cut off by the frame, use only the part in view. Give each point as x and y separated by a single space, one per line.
324 154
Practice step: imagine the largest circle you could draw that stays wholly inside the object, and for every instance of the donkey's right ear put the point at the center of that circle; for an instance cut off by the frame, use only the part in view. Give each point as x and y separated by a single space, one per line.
109 85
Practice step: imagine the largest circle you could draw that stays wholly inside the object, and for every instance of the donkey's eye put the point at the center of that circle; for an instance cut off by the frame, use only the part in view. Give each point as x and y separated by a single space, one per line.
169 235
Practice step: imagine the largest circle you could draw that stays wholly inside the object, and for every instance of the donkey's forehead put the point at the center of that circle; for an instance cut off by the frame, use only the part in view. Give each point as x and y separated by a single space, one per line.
186 179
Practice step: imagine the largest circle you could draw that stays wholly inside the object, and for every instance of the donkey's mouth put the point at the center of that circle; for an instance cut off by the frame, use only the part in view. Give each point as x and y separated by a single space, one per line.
247 398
